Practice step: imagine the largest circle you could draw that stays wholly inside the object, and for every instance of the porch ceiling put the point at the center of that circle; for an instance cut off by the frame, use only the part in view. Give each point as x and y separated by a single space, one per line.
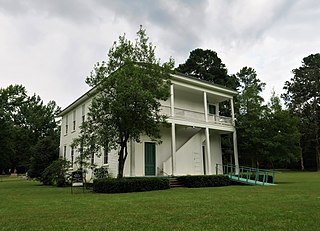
212 98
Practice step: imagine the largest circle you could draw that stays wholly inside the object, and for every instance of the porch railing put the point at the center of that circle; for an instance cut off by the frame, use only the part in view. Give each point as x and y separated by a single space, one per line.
247 175
186 114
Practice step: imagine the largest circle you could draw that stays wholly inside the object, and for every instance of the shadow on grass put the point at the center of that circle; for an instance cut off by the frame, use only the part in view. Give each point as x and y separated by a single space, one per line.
284 182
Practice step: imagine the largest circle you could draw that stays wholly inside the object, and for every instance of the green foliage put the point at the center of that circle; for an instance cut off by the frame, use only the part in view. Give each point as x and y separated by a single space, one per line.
24 121
268 135
249 111
206 65
55 173
281 135
127 90
303 99
44 153
204 181
101 172
124 185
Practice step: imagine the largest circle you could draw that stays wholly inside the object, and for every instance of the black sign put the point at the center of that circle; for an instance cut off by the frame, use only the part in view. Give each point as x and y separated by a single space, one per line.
77 178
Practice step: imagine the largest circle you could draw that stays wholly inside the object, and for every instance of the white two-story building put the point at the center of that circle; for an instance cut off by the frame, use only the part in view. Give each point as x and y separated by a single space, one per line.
191 144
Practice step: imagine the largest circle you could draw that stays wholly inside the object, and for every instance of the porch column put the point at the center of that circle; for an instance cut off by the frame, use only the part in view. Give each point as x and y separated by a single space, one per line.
235 143
217 109
172 100
209 172
235 151
205 104
232 112
173 148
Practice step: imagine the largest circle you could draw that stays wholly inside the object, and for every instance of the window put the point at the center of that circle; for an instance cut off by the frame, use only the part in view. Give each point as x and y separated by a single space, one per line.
66 125
105 156
74 121
64 152
212 109
83 112
92 158
72 156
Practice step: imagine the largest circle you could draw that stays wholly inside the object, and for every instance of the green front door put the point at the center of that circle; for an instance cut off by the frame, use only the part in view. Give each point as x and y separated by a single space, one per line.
150 159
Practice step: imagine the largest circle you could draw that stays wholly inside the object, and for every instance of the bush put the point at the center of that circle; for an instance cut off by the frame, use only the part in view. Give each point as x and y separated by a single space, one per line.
124 185
55 173
101 172
43 154
204 181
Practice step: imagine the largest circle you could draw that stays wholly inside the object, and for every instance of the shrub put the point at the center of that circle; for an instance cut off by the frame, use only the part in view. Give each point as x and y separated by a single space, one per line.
101 172
43 154
124 185
55 173
204 181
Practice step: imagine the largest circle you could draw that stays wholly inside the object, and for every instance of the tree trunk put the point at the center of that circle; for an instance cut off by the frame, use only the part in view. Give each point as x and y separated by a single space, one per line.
301 161
318 156
123 153
121 162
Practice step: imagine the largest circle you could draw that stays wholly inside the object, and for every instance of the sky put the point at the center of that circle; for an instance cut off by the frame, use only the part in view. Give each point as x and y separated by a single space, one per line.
51 46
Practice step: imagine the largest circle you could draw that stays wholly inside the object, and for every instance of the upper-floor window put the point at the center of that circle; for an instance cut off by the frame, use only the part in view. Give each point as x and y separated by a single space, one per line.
83 112
72 156
92 158
64 152
74 120
212 109
105 156
66 131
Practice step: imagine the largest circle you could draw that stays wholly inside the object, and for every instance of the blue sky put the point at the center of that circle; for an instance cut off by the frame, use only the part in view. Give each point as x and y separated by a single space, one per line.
51 46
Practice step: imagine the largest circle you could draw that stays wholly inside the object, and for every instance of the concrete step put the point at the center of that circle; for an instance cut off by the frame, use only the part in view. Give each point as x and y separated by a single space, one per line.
174 183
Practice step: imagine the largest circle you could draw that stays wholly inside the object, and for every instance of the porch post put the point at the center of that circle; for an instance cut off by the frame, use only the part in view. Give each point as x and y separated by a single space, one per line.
235 151
209 172
173 148
232 112
172 100
173 132
217 109
205 104
235 143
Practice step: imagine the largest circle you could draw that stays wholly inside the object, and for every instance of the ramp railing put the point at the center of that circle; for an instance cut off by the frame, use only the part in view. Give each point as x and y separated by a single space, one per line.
248 175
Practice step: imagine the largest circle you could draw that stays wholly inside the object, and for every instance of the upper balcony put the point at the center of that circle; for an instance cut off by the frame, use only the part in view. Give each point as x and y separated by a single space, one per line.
196 103
194 116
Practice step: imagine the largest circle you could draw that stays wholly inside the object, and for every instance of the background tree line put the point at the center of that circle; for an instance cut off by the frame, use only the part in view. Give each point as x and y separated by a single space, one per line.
29 132
269 134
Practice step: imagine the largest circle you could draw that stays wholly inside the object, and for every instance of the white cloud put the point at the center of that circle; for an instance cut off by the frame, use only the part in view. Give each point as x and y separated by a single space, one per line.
51 46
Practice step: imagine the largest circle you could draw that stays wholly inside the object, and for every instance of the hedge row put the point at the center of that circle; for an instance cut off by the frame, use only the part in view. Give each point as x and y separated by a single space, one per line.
124 185
204 181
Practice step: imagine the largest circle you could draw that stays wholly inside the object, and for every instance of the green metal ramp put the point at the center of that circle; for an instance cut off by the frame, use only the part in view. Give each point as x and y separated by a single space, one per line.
247 175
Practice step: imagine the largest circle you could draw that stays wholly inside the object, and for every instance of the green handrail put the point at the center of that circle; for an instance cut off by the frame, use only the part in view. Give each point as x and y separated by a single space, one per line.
243 173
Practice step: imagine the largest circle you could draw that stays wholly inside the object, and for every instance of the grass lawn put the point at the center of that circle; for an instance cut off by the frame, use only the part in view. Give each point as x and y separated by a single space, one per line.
294 204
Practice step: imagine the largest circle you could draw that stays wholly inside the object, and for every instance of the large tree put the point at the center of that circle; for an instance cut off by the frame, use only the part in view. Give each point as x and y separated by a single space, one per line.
303 98
281 135
24 120
10 100
125 105
44 153
249 112
206 65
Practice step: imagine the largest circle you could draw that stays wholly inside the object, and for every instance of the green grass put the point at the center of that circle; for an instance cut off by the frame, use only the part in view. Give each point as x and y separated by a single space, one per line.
294 204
